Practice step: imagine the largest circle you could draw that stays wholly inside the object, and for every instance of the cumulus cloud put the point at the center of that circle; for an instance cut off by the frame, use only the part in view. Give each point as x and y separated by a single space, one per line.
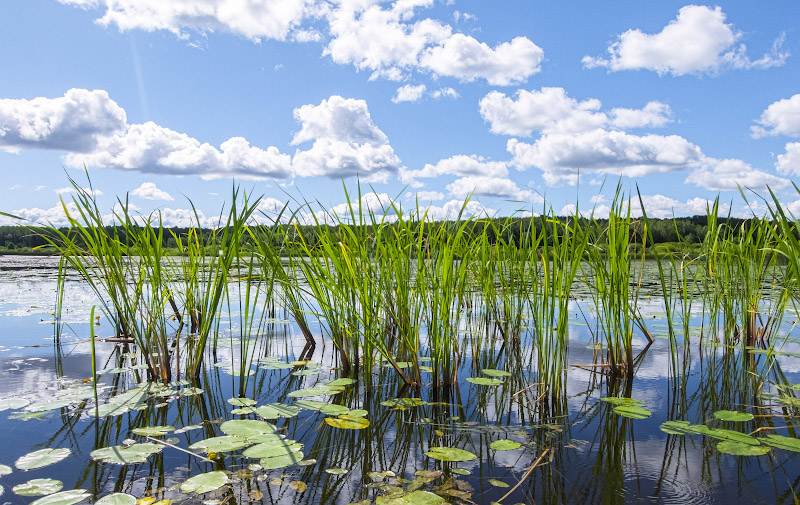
409 93
73 122
345 142
730 174
444 93
253 19
458 165
149 191
453 208
399 45
430 196
697 41
780 118
551 110
562 156
789 162
657 206
499 187
87 191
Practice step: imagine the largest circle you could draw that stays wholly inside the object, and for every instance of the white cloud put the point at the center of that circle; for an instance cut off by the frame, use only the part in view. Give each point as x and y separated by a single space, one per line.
149 191
660 206
780 118
453 208
398 46
697 41
459 165
151 148
730 174
562 156
789 162
467 59
409 93
253 19
345 142
551 110
72 122
444 93
500 187
429 196
87 191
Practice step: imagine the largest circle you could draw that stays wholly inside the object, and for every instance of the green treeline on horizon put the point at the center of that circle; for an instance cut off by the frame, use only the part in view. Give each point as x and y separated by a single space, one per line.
682 232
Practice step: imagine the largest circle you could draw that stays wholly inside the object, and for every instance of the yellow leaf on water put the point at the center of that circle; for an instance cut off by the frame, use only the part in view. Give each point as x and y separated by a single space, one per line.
298 485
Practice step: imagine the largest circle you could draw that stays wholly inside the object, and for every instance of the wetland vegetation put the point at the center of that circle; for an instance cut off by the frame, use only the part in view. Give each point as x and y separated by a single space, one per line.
382 357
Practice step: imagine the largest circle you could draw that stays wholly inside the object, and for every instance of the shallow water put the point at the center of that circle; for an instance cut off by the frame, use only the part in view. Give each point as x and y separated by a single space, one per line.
591 453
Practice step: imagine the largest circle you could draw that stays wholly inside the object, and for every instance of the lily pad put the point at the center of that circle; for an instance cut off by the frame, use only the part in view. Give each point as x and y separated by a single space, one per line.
741 449
13 403
683 428
782 442
281 461
347 423
491 372
310 404
420 497
733 416
460 471
38 487
497 483
246 428
615 400
273 449
124 455
336 471
733 436
276 410
242 402
226 443
632 411
450 454
483 381
41 458
504 445
343 381
153 431
205 482
63 498
298 485
404 403
5 470
316 391
334 410
116 499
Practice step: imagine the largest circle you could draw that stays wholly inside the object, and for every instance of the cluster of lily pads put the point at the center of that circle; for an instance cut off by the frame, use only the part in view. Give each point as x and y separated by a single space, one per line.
48 489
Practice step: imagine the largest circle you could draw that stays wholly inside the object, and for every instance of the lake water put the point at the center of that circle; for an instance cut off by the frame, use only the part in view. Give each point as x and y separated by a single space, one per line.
584 450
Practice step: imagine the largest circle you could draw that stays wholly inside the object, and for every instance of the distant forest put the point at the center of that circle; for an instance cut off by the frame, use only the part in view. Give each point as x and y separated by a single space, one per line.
683 231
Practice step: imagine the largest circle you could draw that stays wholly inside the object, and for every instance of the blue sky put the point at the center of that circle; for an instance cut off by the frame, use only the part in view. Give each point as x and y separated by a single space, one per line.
519 103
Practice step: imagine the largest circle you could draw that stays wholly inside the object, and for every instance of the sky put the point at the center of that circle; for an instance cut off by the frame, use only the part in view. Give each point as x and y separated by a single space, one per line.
521 106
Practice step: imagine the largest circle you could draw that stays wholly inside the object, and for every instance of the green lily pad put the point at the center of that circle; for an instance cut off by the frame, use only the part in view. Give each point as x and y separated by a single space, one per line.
460 471
336 471
358 413
153 431
49 405
741 449
309 404
273 364
632 411
41 458
497 483
450 454
615 400
355 423
733 436
334 410
273 449
242 402
276 410
483 381
344 381
684 428
491 372
782 442
13 403
63 498
5 470
420 497
38 487
733 416
308 371
246 428
316 391
116 499
282 461
504 445
404 403
122 455
205 482
226 443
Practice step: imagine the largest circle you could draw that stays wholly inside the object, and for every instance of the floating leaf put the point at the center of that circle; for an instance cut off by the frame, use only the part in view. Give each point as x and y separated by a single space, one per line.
734 436
13 403
308 371
684 428
307 462
491 372
281 461
273 449
632 411
309 404
226 443
344 381
188 428
38 487
781 442
153 431
404 403
246 428
461 471
5 470
358 413
241 402
41 458
334 410
497 483
504 445
336 471
123 455
741 449
63 498
116 499
316 391
298 485
273 364
483 381
345 423
615 400
49 405
205 482
276 410
420 497
733 416
450 454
